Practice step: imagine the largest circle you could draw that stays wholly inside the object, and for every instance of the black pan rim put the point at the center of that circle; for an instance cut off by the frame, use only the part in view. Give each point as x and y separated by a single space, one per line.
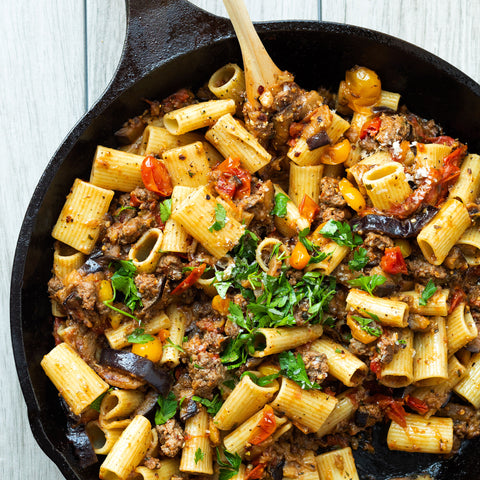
110 95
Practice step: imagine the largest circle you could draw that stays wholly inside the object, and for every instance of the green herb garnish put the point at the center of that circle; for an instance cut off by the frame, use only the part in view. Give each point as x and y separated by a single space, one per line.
199 455
174 345
98 401
261 381
229 468
168 407
360 259
293 368
166 209
212 406
427 293
368 283
341 234
220 218
280 208
139 336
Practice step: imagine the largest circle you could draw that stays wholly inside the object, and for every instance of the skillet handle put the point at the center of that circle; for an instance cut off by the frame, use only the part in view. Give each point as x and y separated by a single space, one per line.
158 30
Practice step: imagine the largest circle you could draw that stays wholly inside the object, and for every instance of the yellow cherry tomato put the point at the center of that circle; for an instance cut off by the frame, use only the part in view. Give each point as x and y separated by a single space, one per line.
300 257
352 195
220 304
152 350
337 153
363 88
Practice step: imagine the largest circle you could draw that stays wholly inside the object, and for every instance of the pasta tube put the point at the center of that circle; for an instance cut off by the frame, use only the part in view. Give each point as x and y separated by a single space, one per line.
337 465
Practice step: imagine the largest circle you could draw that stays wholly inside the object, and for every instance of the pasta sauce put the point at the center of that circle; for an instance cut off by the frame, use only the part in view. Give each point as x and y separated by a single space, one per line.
239 291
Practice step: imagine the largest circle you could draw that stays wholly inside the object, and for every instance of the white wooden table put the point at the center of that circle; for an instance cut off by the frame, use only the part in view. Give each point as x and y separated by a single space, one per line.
57 57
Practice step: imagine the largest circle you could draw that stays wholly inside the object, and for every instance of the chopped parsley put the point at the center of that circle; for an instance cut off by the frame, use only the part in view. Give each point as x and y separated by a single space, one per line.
125 207
174 345
261 381
139 336
360 259
199 455
230 467
427 293
98 401
368 283
166 209
366 323
168 407
316 255
212 406
123 281
220 218
280 208
293 368
341 234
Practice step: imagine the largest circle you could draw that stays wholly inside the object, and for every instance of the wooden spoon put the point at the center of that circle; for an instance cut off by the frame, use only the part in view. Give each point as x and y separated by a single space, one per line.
260 71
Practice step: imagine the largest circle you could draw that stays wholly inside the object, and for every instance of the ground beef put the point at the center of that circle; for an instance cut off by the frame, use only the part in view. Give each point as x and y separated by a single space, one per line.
387 346
170 438
130 231
300 312
332 213
343 274
393 128
149 287
466 420
260 202
336 307
421 128
455 260
359 348
435 400
367 415
316 366
144 199
474 297
377 242
330 194
423 271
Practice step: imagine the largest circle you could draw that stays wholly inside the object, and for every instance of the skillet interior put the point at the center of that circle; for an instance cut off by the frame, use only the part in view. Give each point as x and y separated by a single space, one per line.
318 54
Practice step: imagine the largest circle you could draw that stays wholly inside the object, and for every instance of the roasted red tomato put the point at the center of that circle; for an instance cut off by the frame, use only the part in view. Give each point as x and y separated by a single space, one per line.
456 297
393 408
370 128
233 181
393 262
308 208
155 176
194 275
442 140
256 472
416 404
264 428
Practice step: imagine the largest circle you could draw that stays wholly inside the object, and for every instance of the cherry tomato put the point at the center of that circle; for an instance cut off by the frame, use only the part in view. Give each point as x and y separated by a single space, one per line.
363 87
152 350
308 208
232 180
442 140
264 428
194 275
393 408
256 472
300 257
416 404
457 296
393 261
371 127
155 176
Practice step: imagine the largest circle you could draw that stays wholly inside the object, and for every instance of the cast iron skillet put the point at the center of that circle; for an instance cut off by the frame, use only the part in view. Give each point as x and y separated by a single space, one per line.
171 44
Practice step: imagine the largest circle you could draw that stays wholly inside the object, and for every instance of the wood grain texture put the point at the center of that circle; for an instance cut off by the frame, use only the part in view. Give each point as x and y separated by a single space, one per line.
54 64
445 28
42 96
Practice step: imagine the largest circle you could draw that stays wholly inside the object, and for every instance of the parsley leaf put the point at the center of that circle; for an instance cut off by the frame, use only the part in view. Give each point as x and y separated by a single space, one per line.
294 369
123 281
316 254
229 468
168 407
341 234
139 336
280 208
220 218
166 209
428 292
98 401
365 325
199 455
121 209
360 259
212 406
261 381
174 345
368 283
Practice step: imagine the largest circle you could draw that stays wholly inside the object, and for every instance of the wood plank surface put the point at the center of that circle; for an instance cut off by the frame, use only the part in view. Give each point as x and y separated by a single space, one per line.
58 56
